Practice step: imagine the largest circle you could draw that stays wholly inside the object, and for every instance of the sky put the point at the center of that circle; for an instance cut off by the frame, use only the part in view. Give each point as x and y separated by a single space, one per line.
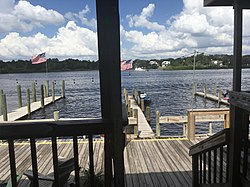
149 29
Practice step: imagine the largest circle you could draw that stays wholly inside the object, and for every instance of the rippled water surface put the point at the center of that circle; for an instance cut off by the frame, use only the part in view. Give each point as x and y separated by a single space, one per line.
170 91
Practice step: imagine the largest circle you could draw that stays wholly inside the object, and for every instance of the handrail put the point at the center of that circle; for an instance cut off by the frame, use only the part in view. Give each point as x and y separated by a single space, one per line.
210 160
34 129
217 140
40 129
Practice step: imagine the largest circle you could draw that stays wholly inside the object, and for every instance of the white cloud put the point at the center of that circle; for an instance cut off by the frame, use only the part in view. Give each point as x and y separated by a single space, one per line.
82 17
70 41
23 16
142 19
205 29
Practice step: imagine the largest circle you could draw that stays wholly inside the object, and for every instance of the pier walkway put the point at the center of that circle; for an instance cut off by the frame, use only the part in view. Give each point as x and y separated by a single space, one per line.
212 98
22 112
144 128
151 162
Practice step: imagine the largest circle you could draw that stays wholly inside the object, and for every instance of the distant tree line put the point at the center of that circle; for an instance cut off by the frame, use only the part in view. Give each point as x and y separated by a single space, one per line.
53 65
201 62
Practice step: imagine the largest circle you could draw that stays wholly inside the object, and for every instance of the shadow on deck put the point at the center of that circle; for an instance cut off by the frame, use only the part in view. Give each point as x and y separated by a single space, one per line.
154 162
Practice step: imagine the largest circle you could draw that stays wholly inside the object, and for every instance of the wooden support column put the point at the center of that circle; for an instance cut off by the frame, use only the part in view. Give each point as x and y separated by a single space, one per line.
108 31
235 112
191 126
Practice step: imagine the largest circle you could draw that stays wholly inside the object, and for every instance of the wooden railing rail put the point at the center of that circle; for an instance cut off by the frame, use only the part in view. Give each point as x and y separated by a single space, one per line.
210 160
193 116
12 131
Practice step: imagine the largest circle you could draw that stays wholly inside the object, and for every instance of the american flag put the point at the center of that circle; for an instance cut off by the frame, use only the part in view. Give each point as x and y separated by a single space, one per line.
126 64
38 59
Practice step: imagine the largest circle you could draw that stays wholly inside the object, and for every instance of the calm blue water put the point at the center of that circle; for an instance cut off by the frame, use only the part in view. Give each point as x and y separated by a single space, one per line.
170 91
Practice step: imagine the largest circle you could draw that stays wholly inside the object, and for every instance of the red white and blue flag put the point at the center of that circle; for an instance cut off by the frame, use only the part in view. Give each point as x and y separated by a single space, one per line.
38 59
126 64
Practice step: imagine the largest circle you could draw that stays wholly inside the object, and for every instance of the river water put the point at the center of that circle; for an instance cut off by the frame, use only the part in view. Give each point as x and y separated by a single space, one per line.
170 92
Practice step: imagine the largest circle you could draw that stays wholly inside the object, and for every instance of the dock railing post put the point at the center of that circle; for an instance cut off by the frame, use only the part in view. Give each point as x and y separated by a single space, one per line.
205 90
42 97
157 124
184 129
148 114
33 92
4 108
28 101
63 88
53 91
56 115
210 128
191 126
19 96
129 108
47 89
1 101
226 121
135 113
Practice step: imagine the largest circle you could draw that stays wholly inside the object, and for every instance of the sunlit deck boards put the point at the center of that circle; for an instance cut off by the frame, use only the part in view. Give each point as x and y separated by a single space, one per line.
147 162
158 163
144 128
22 112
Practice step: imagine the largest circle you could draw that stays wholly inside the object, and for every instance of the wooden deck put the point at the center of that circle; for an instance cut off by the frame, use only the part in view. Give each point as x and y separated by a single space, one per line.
152 162
144 128
22 112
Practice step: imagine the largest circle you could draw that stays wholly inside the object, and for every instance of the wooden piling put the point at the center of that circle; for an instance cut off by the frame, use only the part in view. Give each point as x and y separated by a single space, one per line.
195 89
135 114
53 91
63 89
47 89
148 114
42 97
1 101
142 105
33 92
157 124
28 101
205 90
4 108
19 96
219 96
215 89
56 115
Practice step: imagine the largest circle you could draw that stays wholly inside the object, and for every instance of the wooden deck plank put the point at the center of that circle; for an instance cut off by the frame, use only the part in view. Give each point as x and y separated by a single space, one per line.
128 177
156 161
131 163
147 162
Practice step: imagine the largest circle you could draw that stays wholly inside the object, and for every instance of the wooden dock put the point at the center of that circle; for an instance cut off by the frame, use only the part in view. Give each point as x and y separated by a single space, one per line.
144 129
23 111
212 97
151 162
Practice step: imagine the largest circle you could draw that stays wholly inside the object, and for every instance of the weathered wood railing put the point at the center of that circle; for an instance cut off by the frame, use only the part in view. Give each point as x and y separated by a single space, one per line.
193 116
12 131
210 160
